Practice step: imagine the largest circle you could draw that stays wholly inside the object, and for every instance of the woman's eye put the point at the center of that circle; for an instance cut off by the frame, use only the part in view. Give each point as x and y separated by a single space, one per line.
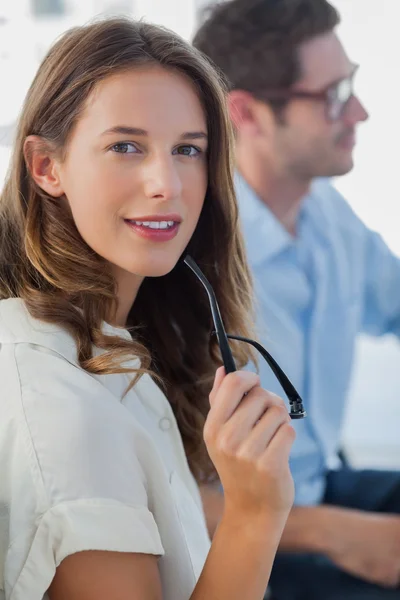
187 151
124 148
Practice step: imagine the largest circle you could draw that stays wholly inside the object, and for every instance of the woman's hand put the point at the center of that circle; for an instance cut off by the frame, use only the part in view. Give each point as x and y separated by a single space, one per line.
248 434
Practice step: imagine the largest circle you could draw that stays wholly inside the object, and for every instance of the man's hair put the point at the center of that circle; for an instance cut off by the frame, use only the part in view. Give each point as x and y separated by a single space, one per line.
254 43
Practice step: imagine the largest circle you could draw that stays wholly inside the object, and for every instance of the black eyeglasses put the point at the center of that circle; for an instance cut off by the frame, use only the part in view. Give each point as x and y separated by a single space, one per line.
296 404
336 96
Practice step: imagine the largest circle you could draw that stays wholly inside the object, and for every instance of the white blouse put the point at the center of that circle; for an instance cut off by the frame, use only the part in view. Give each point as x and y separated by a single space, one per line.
83 467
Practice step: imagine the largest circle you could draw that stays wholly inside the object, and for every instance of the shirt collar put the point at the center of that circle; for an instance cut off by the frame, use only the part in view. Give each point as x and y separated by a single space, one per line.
316 210
265 236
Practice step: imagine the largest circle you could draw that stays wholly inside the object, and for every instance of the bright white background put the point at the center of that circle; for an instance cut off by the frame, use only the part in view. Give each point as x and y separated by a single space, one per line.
370 33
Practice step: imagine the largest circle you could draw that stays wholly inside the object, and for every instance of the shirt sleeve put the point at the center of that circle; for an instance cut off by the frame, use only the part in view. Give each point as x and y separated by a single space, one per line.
381 309
86 488
369 268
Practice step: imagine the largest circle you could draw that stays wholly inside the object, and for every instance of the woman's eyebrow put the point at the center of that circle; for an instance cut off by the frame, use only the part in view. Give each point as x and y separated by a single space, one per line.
194 135
127 130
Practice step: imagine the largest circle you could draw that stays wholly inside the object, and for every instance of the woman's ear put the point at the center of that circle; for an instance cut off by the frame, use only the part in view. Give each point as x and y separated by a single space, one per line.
43 166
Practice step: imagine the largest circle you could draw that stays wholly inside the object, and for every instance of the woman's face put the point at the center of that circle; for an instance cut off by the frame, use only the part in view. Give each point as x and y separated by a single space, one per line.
135 172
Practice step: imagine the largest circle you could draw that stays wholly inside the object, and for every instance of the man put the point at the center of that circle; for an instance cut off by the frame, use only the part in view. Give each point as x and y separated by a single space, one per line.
321 278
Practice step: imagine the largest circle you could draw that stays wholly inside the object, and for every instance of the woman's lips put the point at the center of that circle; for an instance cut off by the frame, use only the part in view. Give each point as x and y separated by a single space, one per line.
163 233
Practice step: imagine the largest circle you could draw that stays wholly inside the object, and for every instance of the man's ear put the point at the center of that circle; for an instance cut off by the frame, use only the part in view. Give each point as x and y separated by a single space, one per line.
42 165
249 114
240 105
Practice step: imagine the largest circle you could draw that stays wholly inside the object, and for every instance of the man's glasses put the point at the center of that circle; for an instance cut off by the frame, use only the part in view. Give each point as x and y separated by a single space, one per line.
335 97
296 404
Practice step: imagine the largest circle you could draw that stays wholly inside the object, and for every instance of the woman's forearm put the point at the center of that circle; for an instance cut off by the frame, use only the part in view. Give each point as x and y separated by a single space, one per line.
240 560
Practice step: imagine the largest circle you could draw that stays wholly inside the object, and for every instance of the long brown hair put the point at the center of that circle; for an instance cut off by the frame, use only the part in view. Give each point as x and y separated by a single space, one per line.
45 261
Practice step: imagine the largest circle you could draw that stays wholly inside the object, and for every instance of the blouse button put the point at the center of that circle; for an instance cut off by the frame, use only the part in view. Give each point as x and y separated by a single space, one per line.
165 424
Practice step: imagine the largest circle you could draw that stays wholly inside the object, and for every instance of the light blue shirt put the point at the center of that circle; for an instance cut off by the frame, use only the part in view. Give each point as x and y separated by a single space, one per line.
314 294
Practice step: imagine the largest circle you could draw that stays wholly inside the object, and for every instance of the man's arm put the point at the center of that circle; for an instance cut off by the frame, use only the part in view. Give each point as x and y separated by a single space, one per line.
370 269
213 505
304 529
366 545
381 309
374 269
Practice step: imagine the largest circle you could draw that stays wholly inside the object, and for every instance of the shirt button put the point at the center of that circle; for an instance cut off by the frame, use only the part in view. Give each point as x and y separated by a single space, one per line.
165 424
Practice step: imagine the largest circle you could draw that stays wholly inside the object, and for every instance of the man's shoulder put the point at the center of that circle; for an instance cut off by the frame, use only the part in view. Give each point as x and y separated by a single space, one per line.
327 195
330 206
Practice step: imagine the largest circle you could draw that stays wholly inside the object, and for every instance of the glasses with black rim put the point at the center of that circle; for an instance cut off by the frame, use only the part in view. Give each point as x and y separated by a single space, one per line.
295 402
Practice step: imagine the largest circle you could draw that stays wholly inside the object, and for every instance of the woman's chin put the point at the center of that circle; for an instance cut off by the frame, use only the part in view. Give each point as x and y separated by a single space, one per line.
153 268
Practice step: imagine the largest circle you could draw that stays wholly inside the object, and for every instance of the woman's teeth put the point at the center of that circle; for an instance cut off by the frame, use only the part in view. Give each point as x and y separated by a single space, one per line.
154 224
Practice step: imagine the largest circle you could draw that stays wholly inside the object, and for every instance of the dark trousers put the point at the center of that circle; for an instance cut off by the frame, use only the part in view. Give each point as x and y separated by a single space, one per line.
314 577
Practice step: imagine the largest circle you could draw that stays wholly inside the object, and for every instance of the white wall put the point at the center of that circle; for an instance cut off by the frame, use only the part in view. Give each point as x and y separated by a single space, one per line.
178 15
369 31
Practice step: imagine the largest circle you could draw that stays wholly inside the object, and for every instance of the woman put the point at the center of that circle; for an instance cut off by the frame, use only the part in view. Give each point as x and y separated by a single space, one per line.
121 165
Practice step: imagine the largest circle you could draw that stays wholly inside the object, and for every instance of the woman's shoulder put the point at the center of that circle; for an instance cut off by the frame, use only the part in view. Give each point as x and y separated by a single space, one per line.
66 418
76 462
44 387
18 327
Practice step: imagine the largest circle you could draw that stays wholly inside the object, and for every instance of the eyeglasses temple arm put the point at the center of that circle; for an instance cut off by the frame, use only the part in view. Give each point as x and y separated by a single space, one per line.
296 404
226 353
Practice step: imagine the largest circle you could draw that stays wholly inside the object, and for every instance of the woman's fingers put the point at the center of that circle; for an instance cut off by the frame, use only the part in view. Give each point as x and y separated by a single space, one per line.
248 435
251 414
230 393
278 450
264 430
219 377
